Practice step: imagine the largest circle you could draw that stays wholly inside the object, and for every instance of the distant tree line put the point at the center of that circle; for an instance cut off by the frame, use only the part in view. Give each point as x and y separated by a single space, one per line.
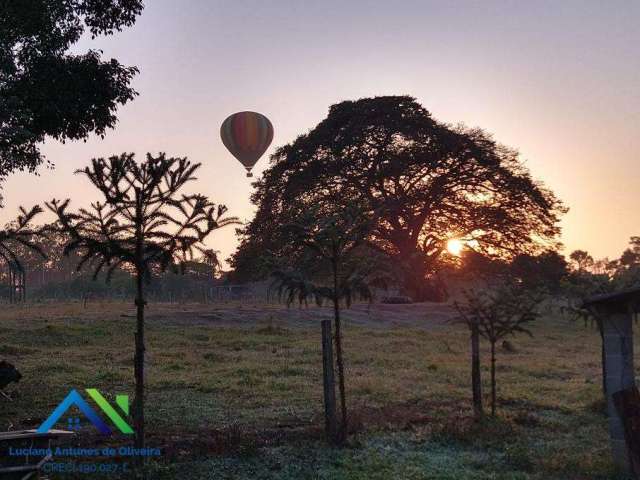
50 274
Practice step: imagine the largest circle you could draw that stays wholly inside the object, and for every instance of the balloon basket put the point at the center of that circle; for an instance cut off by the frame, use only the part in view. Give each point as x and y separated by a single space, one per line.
249 174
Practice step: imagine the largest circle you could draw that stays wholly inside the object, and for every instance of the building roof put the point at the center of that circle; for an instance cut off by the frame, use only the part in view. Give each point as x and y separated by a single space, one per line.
618 300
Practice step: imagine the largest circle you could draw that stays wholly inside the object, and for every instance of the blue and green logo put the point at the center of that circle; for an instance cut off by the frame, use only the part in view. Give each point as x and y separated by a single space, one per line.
74 398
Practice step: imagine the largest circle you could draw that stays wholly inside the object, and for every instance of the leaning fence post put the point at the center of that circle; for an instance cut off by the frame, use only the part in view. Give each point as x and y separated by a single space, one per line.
329 384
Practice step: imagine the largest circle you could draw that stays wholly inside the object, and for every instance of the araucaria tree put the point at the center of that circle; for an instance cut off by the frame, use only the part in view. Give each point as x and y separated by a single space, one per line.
144 223
495 313
428 182
331 265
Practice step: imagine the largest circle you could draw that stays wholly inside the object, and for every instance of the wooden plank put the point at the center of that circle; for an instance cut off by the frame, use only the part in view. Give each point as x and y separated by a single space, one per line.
21 468
46 459
627 403
26 434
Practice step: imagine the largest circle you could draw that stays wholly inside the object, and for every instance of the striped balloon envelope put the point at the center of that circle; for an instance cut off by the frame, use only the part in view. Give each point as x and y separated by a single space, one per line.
247 135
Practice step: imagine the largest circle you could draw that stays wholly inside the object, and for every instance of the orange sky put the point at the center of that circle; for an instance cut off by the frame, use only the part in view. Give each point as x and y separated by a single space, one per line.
557 80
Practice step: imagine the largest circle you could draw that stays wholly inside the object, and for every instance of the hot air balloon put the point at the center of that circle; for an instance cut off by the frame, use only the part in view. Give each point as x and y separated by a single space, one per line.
247 135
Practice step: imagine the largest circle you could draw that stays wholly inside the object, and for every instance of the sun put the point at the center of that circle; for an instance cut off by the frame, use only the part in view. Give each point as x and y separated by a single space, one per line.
455 246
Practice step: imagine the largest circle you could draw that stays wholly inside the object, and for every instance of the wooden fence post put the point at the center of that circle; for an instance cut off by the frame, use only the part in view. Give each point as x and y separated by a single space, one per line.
476 383
329 383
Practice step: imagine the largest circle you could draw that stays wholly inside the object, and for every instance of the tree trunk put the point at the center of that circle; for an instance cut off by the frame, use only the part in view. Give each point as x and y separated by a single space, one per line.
604 360
416 281
139 363
476 380
339 358
12 285
604 369
493 378
329 383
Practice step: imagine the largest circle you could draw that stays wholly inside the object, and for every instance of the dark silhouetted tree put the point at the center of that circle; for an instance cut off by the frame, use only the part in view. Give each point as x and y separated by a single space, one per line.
429 182
473 323
547 270
333 241
45 91
631 256
18 240
494 314
144 223
581 260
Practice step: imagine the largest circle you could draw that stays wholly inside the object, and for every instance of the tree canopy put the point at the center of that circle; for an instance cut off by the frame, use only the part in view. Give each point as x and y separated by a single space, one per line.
426 181
45 91
145 221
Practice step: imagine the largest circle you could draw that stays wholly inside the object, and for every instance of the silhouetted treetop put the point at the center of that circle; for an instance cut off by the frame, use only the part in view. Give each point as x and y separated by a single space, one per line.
144 220
46 91
19 235
428 181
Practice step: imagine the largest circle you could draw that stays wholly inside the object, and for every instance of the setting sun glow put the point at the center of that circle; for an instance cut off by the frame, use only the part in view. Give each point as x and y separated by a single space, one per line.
454 246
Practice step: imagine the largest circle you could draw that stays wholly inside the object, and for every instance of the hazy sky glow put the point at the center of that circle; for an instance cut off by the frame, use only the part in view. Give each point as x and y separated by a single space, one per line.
557 80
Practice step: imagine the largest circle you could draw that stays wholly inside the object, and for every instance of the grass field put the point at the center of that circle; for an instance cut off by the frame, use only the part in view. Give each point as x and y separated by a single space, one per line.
234 392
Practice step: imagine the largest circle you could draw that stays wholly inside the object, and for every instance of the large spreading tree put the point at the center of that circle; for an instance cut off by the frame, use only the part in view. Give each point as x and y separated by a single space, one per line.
46 91
427 181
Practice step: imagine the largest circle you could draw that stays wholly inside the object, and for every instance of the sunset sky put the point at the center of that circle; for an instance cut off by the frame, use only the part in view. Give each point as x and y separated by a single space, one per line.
557 80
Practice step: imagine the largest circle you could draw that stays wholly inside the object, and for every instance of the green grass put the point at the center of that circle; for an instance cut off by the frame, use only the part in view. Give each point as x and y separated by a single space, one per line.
246 403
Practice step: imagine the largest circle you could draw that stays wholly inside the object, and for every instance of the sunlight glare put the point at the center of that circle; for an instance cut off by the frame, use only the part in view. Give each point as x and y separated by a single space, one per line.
454 246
